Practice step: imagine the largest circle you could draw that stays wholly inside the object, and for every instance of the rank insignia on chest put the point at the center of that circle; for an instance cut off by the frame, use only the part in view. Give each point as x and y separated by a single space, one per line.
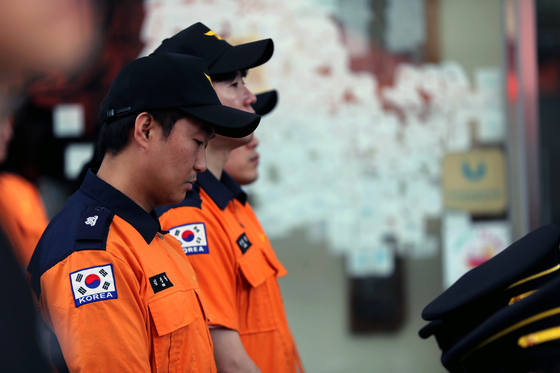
93 284
192 238
243 243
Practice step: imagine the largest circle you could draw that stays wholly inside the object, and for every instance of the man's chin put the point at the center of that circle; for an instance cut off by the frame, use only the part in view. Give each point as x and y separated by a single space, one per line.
176 198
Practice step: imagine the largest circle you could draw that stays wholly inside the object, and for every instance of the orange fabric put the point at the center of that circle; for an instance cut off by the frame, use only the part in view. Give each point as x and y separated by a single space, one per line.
241 290
24 217
141 330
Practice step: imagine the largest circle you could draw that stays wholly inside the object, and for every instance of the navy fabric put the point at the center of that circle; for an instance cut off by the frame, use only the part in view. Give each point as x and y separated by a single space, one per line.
68 231
221 191
233 187
20 350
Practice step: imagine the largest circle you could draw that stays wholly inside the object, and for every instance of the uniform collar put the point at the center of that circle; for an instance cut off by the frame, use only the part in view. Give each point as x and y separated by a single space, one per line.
146 224
221 191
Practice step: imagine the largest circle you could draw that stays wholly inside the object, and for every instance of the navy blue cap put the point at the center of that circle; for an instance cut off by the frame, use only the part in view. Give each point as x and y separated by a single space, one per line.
266 102
511 275
173 81
523 337
220 56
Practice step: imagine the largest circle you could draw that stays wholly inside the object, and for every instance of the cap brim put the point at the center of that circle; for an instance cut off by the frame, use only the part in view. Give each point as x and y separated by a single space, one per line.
227 121
244 56
430 329
266 102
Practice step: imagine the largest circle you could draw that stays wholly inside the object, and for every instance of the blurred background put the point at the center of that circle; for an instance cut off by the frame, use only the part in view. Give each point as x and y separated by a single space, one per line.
413 140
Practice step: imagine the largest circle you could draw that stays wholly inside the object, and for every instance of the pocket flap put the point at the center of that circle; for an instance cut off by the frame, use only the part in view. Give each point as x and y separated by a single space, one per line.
255 267
275 263
171 312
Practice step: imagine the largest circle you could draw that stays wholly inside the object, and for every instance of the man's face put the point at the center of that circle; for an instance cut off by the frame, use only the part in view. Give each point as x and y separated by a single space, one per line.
176 160
236 95
242 163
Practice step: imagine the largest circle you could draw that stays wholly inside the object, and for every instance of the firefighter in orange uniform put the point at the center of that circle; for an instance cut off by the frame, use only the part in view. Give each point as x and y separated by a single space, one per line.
116 290
24 217
235 264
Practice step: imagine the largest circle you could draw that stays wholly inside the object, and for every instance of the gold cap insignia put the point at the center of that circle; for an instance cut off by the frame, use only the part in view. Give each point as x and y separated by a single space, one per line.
209 79
212 33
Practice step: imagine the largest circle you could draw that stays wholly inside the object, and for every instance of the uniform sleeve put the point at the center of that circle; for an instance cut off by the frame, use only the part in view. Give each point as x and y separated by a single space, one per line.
215 269
99 332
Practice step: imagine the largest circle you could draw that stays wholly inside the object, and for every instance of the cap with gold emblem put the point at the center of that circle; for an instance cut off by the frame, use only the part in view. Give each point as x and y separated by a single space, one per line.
511 275
173 81
220 56
523 337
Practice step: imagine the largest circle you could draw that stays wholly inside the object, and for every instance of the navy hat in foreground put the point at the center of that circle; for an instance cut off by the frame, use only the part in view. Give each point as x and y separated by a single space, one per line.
266 102
173 81
513 274
220 56
523 337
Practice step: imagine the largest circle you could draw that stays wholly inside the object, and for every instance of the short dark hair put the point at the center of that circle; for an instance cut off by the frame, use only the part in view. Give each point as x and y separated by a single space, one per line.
227 77
113 136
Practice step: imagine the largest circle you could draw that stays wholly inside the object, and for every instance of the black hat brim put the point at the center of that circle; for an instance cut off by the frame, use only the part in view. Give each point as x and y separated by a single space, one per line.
266 102
227 121
242 57
536 312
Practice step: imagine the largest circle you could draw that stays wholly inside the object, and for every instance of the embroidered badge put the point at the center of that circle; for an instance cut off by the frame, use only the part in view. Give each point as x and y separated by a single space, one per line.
93 284
192 238
91 220
160 282
243 243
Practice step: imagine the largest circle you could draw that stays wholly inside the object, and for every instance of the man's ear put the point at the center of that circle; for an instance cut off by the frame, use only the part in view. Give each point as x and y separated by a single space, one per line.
143 129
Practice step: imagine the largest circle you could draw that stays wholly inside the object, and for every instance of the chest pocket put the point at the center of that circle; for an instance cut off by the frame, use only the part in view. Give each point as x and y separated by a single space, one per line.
258 292
179 333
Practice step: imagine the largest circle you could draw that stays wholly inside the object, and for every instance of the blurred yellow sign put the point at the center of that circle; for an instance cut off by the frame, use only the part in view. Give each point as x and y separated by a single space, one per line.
475 182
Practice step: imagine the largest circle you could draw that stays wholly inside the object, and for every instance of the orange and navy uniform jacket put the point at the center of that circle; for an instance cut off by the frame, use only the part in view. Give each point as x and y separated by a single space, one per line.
23 215
116 291
236 267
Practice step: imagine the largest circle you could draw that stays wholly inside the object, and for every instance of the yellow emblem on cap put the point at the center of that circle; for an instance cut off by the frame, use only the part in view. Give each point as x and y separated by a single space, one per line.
209 79
212 33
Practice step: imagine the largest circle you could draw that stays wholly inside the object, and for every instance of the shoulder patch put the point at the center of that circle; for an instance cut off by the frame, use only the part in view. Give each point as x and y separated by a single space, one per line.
93 284
93 225
192 238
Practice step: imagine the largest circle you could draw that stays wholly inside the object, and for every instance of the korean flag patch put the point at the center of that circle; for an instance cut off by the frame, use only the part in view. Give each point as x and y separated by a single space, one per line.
192 238
93 284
